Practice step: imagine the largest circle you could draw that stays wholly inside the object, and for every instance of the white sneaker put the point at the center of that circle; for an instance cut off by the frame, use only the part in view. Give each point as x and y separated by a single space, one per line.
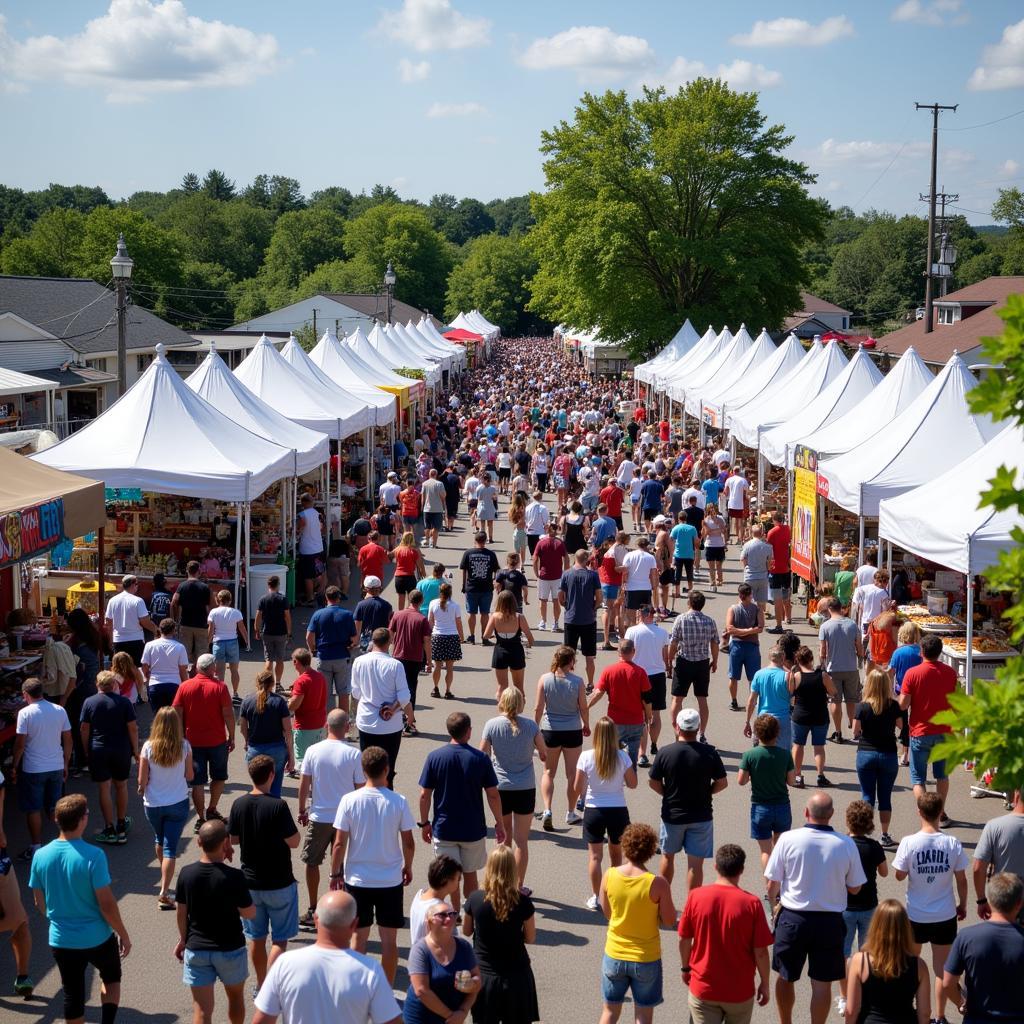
572 818
542 625
592 904
841 1006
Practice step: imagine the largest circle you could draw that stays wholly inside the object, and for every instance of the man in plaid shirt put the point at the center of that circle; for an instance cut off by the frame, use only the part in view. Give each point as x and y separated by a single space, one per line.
693 651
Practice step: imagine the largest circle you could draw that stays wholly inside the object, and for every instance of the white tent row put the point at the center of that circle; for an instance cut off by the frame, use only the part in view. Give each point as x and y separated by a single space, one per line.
488 329
468 323
383 372
394 355
684 340
427 328
677 373
731 355
441 347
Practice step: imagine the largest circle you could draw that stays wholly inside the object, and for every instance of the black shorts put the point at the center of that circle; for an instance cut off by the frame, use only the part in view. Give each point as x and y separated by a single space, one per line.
599 820
105 765
72 965
636 599
518 801
433 520
714 554
939 933
814 937
780 581
511 658
383 904
571 738
405 584
667 576
310 566
691 673
532 540
504 474
656 695
585 636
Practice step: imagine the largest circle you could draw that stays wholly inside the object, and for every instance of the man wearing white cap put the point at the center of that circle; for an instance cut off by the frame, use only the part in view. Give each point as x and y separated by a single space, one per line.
687 774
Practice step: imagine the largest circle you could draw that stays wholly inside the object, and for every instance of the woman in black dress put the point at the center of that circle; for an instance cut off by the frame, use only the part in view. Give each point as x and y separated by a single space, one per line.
501 922
508 625
811 690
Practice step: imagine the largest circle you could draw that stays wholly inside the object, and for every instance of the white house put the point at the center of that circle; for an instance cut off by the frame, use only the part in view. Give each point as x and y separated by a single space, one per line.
342 312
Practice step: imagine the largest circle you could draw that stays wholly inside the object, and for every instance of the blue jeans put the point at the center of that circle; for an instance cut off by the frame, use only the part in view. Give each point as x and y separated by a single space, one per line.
856 922
39 791
629 737
876 774
744 656
920 750
621 976
767 820
279 752
226 651
168 823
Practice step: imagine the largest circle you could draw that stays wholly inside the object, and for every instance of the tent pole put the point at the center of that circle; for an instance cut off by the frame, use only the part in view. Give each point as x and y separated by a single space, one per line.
860 542
969 667
101 575
821 536
248 561
238 550
888 558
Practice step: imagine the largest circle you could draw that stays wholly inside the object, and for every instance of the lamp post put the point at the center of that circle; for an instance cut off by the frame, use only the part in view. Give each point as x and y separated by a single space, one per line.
122 265
389 285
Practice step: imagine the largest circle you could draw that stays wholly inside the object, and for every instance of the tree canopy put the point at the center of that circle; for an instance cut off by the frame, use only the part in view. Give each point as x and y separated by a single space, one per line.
494 277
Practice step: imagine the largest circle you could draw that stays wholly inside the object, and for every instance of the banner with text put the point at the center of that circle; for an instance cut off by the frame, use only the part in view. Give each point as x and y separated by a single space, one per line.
31 531
805 512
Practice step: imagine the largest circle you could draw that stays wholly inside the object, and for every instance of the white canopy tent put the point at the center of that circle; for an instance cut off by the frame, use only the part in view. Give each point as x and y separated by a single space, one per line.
721 365
477 317
716 409
683 340
426 327
932 433
760 350
699 356
846 393
440 349
904 382
964 538
415 343
464 321
389 350
416 351
340 362
383 372
786 398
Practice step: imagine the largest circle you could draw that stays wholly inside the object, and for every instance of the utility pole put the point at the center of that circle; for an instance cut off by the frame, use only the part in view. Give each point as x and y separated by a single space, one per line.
929 291
942 198
314 325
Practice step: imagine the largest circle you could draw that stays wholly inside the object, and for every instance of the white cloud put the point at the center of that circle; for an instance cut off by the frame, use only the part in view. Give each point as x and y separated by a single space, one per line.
795 32
866 154
413 71
1002 65
740 74
456 109
589 50
145 45
428 25
1009 168
930 12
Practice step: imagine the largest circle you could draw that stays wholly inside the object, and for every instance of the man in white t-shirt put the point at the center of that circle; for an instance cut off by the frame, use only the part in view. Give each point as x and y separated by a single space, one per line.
651 643
641 581
626 471
127 618
866 573
695 492
389 491
536 517
372 857
327 981
737 493
932 862
42 752
868 601
331 769
165 666
309 527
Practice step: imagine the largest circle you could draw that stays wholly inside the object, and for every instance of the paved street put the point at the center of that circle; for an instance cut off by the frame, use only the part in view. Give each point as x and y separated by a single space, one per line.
567 957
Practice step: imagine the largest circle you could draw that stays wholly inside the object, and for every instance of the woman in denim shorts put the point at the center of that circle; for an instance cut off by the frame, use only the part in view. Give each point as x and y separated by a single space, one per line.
226 627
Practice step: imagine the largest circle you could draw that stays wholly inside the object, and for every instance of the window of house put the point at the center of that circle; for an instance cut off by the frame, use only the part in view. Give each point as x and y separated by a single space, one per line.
946 315
97 364
142 361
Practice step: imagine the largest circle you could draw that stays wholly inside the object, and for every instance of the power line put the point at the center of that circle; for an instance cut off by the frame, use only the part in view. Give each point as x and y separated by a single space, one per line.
984 124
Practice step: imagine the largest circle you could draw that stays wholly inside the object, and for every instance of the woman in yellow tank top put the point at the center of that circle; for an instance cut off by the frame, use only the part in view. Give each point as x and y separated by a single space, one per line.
637 904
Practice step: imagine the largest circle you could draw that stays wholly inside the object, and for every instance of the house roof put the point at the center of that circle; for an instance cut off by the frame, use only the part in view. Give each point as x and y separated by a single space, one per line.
963 336
374 305
76 377
798 320
83 314
812 304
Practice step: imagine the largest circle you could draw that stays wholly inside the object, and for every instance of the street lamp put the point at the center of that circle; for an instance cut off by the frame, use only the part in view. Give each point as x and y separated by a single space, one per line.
121 266
389 285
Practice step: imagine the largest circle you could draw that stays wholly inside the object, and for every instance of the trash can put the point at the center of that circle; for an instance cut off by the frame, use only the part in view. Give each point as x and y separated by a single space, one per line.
257 580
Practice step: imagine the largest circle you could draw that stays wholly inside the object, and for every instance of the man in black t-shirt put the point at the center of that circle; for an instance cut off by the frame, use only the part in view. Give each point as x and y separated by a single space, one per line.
274 625
479 566
211 899
263 827
190 607
687 774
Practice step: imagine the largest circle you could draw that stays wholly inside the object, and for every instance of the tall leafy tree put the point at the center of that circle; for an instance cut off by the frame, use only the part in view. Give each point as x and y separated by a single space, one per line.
334 197
494 278
190 183
301 241
70 197
217 185
275 192
17 211
511 216
156 252
50 249
670 206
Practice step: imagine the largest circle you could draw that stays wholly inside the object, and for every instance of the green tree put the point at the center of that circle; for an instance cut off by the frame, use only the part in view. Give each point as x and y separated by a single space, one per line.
333 276
335 198
248 229
1009 207
421 258
205 302
511 216
993 718
190 183
217 185
494 278
276 193
379 194
198 221
17 211
301 241
153 204
670 206
51 248
82 198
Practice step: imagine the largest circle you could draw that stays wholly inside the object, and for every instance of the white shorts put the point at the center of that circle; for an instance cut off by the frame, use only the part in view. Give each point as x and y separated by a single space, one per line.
547 590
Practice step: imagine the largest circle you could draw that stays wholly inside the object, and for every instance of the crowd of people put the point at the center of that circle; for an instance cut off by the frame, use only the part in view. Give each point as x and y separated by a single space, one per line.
619 529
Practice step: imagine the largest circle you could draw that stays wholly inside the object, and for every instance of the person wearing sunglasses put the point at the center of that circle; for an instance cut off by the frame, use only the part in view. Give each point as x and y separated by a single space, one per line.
443 973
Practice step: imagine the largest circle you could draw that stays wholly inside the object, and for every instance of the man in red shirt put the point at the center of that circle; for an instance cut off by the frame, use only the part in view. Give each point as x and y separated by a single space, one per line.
664 431
410 644
640 414
925 691
203 704
723 938
372 557
629 698
611 495
308 705
550 560
780 579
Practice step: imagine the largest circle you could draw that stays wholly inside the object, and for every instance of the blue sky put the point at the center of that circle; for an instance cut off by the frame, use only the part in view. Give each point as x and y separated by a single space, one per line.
451 95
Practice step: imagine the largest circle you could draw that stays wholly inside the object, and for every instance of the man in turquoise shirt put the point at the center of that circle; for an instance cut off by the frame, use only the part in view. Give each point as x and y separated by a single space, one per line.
684 540
769 695
70 884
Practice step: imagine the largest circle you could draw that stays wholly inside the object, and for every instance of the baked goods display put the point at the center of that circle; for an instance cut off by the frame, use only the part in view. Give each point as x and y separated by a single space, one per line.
981 645
913 610
937 620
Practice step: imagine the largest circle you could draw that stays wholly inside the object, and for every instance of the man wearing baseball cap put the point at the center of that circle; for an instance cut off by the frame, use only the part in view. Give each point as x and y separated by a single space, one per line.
687 774
373 612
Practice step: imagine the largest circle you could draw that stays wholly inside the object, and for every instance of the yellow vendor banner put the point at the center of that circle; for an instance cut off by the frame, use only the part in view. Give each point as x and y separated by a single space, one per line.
805 510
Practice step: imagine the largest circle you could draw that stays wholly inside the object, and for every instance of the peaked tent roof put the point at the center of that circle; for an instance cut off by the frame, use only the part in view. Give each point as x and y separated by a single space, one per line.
964 538
426 326
379 408
340 363
269 376
907 379
482 325
933 433
682 341
467 324
761 349
441 349
705 349
209 454
213 381
788 397
415 343
384 375
395 356
412 353
713 370
783 361
475 314
847 392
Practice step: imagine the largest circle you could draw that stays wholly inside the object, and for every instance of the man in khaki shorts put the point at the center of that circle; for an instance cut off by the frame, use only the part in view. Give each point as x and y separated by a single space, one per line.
457 777
841 651
190 607
330 770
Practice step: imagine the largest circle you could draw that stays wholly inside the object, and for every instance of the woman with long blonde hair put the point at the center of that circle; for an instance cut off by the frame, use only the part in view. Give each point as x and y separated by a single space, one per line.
501 920
165 774
130 681
266 726
874 728
409 567
886 980
517 517
510 740
603 774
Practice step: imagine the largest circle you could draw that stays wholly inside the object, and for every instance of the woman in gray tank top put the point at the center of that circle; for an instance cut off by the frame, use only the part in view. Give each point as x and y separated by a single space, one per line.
564 719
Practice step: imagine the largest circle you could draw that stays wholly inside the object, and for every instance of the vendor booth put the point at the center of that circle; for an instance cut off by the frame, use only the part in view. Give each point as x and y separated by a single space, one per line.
684 340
